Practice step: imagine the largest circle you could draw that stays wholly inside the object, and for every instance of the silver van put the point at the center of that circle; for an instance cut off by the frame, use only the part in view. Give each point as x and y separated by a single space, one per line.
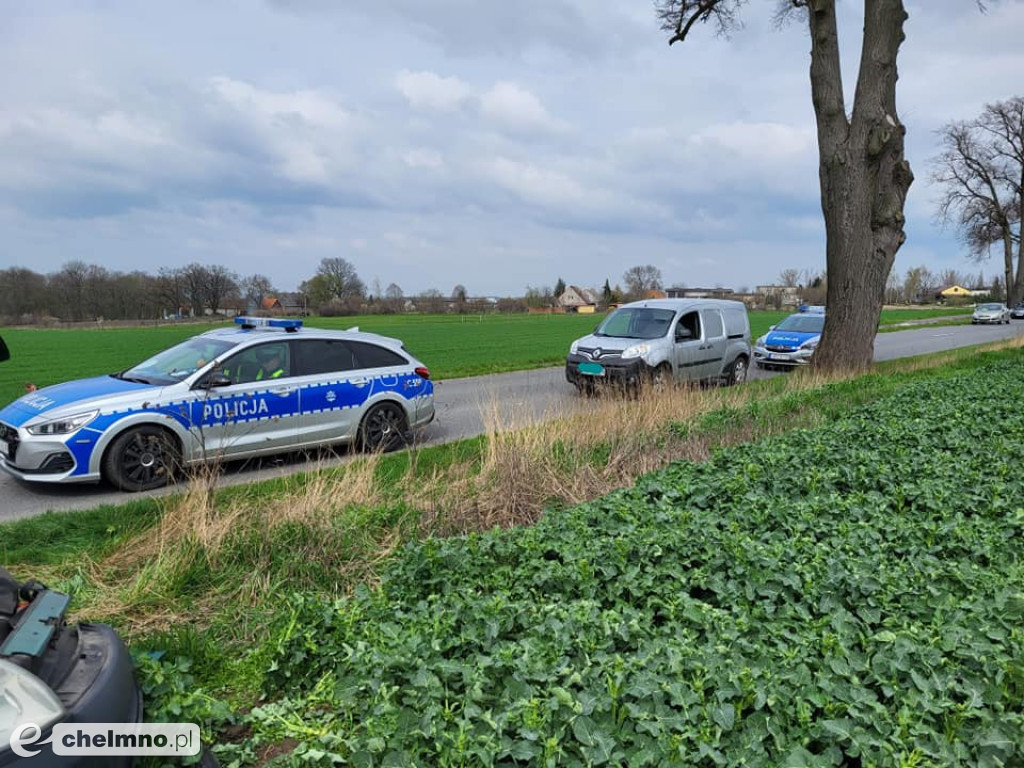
663 339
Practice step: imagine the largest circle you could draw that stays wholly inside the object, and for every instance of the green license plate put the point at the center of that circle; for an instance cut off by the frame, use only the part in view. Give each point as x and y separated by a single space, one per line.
592 369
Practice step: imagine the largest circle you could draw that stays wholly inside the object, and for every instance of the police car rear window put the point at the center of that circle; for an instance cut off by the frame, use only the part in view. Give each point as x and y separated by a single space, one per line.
315 356
373 356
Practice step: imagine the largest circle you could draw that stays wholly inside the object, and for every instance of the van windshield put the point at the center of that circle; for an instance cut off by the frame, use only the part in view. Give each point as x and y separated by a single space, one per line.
636 323
802 324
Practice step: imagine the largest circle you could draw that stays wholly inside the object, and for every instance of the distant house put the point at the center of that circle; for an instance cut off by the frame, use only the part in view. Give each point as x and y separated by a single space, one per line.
782 295
575 299
955 292
655 293
270 304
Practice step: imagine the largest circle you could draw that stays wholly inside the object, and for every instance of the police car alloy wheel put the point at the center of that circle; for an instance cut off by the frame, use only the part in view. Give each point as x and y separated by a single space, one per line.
384 428
142 459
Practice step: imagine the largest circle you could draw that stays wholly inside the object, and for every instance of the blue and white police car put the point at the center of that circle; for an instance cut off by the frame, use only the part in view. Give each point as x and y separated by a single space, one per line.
263 386
793 341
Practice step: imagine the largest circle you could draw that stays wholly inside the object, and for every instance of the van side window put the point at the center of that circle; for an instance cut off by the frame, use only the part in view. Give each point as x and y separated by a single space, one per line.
691 322
713 324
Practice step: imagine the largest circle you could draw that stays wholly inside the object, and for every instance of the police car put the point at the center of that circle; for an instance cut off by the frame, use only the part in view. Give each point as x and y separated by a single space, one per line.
264 386
793 341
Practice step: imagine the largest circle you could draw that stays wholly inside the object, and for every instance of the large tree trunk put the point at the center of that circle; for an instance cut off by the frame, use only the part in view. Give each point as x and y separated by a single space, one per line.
864 177
1017 294
1010 283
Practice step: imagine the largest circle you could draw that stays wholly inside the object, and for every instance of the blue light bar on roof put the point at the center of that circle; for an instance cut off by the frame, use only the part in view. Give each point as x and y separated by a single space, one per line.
249 323
811 309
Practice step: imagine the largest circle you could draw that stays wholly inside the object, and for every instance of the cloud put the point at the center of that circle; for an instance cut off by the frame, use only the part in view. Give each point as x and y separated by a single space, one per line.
428 90
513 106
471 28
308 135
423 158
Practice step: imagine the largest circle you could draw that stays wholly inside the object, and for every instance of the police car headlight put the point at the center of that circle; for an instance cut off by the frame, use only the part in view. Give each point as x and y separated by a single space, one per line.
24 698
761 341
64 425
810 344
637 350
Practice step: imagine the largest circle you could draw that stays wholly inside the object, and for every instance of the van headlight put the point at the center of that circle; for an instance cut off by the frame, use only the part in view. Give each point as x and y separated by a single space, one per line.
574 347
637 350
64 425
24 698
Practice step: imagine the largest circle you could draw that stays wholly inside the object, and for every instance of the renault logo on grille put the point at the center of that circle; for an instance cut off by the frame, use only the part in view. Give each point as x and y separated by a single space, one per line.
596 353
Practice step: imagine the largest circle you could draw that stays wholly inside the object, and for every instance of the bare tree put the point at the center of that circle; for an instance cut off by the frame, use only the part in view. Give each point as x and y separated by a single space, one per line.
863 174
22 293
221 284
393 298
170 289
893 288
537 298
431 300
339 279
193 287
641 279
950 277
68 287
256 288
919 285
981 169
790 278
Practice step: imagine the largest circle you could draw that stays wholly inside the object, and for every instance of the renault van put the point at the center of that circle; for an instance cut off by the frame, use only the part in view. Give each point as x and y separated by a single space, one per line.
662 340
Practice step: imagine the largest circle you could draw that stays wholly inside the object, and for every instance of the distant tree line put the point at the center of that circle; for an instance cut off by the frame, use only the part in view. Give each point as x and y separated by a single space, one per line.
81 292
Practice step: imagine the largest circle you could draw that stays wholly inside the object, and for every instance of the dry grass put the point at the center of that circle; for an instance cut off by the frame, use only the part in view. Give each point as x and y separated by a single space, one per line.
525 466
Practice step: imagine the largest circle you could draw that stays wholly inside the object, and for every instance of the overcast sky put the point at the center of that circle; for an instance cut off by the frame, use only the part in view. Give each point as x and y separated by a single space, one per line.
433 142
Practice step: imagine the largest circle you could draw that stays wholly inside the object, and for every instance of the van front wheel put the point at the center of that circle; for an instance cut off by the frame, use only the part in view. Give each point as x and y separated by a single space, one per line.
737 373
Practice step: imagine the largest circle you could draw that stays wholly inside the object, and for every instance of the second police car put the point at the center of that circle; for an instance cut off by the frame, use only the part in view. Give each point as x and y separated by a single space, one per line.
263 386
793 341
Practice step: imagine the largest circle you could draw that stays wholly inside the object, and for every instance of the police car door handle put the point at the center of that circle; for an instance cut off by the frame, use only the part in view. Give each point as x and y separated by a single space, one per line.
282 391
360 381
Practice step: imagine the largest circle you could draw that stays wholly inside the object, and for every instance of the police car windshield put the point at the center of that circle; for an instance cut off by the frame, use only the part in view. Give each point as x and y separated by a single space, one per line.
802 324
636 323
174 364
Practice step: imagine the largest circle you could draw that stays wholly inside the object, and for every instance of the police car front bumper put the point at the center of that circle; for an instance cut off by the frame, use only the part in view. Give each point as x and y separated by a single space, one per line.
794 357
38 459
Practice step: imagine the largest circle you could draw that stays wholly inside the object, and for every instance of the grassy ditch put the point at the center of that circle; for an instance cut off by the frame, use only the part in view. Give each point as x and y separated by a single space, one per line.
213 575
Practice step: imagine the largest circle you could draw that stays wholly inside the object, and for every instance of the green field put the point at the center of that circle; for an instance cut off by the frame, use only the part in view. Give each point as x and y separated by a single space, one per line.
451 345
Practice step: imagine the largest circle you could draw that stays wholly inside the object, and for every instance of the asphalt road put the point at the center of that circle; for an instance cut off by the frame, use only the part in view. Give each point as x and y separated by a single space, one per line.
465 407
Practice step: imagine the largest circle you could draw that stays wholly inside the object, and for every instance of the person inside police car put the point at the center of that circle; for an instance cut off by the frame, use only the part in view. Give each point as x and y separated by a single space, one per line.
271 363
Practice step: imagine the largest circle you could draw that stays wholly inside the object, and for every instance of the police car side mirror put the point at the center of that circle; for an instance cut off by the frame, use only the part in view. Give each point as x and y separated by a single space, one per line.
213 381
771 327
5 353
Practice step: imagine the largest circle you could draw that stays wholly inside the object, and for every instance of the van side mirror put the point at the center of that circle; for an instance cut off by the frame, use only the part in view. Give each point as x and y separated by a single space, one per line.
683 333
